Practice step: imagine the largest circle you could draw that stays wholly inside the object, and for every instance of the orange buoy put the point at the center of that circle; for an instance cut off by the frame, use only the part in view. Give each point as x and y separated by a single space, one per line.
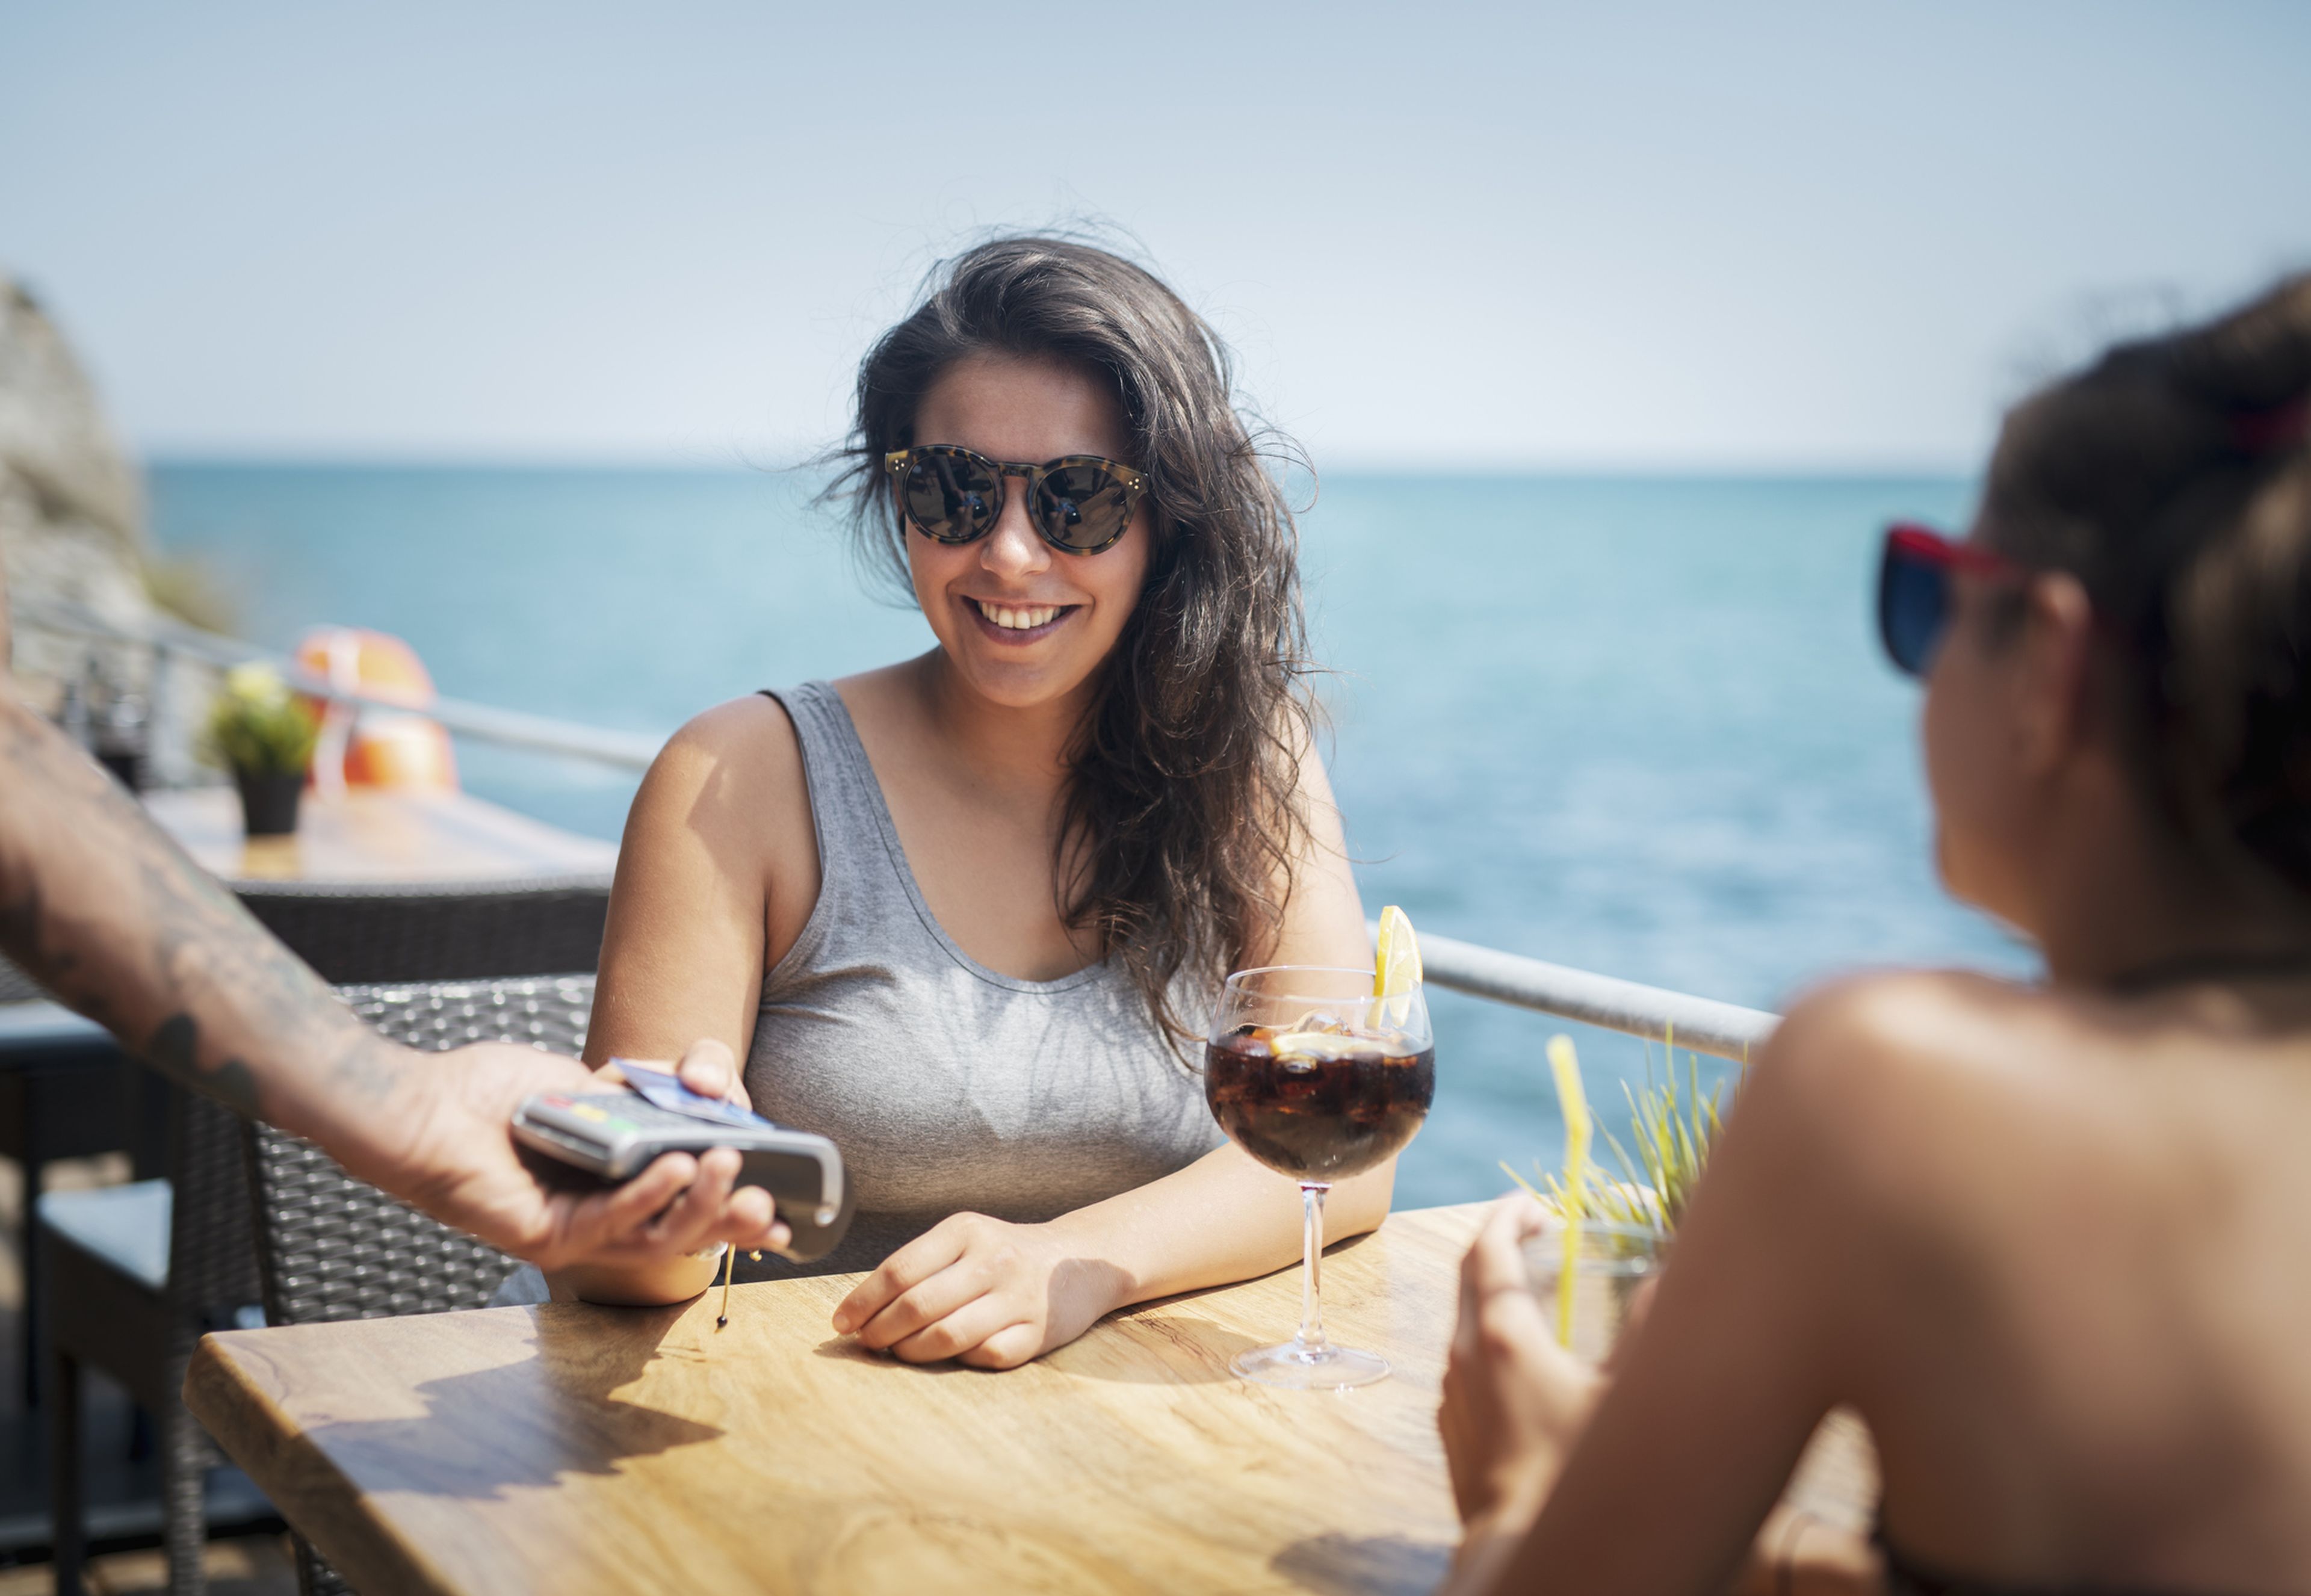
362 746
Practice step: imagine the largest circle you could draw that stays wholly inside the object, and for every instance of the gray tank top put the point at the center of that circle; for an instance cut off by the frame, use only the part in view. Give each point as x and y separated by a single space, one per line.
947 1086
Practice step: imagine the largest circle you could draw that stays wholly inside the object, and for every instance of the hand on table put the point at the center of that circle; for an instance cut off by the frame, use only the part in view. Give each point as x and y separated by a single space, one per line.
1514 1400
981 1291
459 1164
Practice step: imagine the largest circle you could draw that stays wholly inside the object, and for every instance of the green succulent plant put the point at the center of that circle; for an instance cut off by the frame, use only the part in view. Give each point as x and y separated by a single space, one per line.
258 726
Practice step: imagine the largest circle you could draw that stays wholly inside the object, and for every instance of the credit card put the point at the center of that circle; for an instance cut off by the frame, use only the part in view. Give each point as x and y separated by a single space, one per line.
659 1087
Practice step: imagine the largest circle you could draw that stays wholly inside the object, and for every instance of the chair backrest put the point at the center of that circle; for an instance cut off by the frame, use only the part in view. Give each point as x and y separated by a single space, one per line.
332 1247
17 987
213 1272
383 931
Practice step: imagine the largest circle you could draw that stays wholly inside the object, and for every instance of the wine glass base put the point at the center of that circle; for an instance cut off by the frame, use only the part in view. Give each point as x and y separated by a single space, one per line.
1295 1366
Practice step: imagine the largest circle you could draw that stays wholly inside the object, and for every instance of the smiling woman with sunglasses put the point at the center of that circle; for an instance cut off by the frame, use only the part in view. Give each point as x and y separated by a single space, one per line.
964 913
2050 1241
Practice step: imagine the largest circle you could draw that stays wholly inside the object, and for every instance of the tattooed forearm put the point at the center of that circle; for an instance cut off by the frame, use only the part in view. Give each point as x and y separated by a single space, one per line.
105 911
175 1051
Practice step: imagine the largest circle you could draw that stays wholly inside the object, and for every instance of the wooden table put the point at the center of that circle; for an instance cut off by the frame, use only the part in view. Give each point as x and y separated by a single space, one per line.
579 1449
377 834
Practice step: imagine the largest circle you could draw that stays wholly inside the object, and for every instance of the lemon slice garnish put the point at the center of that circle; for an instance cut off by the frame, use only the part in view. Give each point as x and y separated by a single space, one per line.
1396 962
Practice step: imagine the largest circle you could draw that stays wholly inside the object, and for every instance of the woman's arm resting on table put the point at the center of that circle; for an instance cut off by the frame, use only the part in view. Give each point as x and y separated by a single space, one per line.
1659 1478
995 1294
108 914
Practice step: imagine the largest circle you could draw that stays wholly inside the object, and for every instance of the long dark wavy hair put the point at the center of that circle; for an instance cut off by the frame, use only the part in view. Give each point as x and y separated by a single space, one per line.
1183 816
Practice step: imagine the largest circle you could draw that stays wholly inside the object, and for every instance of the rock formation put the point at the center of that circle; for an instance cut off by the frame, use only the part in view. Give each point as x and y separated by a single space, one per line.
72 532
71 506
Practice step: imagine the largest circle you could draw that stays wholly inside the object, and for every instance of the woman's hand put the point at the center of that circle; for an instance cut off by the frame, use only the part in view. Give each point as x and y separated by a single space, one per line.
1514 1400
983 1291
461 1164
707 1067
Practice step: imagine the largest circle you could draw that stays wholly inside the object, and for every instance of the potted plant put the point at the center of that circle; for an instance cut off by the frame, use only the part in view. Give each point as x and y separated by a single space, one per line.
265 734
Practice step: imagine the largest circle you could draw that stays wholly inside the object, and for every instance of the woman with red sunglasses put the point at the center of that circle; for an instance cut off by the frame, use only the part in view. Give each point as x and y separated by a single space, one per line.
2052 1241
966 913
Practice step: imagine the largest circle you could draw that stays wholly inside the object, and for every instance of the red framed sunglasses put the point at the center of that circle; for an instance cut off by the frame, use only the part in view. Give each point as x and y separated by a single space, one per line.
1913 589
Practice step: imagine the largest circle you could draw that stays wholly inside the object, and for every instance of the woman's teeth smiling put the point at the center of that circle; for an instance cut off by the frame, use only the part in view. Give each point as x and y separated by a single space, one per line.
1025 617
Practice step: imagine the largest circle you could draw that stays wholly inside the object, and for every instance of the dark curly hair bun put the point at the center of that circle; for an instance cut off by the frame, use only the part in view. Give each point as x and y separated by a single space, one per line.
2174 478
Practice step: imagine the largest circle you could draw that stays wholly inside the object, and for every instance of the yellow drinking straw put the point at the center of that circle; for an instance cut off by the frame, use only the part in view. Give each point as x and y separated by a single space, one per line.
1574 1103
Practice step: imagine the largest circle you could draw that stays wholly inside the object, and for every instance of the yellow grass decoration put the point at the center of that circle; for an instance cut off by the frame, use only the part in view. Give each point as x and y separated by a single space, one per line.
1673 1126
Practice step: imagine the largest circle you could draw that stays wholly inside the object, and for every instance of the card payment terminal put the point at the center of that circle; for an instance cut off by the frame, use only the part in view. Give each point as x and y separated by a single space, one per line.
615 1135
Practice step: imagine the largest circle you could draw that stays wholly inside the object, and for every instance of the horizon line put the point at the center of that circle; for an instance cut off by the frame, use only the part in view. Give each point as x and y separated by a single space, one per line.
670 462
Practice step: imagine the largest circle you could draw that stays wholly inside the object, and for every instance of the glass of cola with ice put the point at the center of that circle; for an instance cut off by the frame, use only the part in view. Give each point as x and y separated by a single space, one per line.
1319 1079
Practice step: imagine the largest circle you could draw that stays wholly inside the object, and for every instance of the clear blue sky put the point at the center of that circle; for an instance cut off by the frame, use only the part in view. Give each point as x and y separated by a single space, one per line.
1666 235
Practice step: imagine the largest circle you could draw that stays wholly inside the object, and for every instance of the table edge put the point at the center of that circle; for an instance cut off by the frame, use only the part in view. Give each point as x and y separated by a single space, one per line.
171 808
299 1478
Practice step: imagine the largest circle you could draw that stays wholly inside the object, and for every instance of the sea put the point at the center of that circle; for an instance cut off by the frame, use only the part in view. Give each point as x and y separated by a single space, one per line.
1636 725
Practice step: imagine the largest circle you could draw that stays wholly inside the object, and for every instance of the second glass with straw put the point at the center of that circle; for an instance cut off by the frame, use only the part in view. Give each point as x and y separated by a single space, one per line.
1321 1073
1587 1271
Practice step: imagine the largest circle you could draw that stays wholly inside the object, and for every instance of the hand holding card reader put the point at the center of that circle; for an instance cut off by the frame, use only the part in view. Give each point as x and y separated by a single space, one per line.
615 1135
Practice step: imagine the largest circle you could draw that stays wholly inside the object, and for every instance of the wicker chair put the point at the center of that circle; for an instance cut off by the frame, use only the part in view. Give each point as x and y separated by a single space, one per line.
364 932
382 931
135 1275
16 987
331 1247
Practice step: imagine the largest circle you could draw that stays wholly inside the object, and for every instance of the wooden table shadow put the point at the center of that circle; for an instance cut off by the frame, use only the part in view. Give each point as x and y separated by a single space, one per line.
1192 1336
543 1419
539 1412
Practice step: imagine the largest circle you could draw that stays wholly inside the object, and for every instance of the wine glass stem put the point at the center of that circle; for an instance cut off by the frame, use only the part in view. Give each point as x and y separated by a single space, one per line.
1311 1287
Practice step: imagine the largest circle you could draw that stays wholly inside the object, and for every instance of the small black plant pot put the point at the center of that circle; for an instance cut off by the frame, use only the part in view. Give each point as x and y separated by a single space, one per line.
268 801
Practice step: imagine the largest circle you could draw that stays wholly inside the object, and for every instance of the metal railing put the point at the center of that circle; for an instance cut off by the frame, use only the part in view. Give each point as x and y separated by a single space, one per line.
539 734
1701 1024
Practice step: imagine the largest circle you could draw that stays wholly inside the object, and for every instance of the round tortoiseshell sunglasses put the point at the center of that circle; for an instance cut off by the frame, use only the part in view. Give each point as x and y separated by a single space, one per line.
1081 503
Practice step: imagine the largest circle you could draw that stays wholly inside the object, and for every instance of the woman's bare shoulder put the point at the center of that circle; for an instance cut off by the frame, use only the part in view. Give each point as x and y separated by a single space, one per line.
1904 1019
750 736
1888 1083
731 773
